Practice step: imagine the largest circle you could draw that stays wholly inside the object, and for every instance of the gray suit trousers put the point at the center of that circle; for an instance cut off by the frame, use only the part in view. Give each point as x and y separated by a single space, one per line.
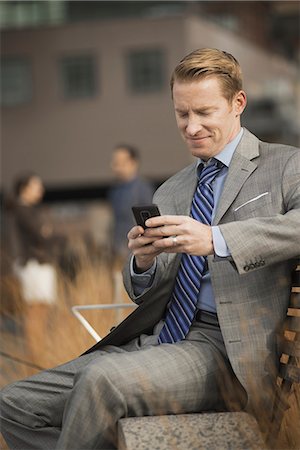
77 405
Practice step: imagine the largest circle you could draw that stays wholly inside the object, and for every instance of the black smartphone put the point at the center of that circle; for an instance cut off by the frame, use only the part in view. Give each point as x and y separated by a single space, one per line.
142 213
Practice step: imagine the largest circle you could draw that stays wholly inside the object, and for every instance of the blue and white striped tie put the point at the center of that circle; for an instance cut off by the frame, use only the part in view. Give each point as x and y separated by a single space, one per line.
184 298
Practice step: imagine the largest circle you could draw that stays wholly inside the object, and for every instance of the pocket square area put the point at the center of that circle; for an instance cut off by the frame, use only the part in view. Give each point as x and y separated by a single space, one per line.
251 200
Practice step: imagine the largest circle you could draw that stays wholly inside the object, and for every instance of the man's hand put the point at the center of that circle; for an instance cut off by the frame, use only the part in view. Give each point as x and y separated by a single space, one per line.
181 234
142 248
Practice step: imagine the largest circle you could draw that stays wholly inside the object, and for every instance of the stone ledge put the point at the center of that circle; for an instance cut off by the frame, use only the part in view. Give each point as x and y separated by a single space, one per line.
207 431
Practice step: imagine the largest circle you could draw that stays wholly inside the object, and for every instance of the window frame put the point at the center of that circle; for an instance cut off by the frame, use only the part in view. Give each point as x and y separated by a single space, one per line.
65 90
138 86
27 96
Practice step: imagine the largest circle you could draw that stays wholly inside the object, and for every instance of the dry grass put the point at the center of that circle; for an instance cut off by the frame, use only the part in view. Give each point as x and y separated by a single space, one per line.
56 336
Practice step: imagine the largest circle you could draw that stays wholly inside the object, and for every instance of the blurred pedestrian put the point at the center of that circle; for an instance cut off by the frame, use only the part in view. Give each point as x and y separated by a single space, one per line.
130 189
34 262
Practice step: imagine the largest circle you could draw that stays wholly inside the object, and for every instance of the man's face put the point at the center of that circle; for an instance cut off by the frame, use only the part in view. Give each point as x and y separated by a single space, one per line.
33 192
206 120
123 165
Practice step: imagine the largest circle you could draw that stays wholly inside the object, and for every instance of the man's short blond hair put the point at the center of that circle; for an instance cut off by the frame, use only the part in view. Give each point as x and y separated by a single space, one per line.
210 62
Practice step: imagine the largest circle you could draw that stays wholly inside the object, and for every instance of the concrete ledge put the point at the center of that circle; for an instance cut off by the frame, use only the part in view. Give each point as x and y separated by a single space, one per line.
207 431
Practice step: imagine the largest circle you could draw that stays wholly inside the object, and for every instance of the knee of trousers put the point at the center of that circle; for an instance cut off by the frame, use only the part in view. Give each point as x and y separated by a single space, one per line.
8 400
15 407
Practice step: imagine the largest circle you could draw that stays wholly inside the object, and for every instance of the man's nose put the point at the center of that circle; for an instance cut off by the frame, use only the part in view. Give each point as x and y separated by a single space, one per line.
193 126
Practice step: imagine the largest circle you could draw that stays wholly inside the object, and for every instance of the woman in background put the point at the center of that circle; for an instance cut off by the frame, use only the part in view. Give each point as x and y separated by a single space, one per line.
34 263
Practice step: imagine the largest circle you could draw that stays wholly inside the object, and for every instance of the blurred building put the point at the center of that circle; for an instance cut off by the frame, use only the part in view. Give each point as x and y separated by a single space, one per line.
79 77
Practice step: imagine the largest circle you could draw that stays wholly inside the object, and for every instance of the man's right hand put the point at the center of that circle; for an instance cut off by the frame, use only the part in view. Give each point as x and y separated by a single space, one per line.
142 248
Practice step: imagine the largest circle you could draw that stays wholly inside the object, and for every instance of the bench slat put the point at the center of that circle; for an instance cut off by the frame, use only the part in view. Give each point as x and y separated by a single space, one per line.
295 300
289 373
292 323
291 348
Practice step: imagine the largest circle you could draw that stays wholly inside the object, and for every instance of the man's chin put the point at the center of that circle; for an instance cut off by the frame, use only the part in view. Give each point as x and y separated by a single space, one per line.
200 152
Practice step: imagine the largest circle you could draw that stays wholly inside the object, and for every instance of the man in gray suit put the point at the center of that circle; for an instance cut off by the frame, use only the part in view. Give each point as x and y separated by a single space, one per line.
213 346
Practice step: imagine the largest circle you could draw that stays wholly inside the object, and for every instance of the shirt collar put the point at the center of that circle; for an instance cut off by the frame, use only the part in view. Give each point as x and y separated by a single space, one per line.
226 154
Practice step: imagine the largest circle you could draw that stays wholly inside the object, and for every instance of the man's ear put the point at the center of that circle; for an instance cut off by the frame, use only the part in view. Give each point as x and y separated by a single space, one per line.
239 102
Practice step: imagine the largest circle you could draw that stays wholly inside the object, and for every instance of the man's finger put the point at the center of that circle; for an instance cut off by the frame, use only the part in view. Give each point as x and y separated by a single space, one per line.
142 241
164 231
158 221
167 243
135 232
147 250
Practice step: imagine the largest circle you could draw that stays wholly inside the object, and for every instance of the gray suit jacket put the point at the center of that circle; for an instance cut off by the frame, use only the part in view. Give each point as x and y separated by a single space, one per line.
259 216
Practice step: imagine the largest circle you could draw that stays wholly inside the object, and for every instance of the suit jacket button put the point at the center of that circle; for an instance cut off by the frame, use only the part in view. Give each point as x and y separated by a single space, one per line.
252 266
246 268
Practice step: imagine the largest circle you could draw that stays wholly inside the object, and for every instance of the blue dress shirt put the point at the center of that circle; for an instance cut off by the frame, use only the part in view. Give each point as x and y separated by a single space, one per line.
206 299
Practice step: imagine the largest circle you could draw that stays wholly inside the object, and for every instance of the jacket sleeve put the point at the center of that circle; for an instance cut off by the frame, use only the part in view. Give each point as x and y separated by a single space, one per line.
260 241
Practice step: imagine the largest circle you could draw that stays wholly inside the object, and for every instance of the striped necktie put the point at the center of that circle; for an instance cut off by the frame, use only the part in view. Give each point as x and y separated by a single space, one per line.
182 307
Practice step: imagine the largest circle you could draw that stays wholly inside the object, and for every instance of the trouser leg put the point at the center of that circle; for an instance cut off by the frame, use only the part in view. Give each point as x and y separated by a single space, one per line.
31 409
77 405
166 379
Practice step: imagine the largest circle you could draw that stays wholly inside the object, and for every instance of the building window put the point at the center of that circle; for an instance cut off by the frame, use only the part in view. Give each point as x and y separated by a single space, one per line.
78 76
16 81
145 70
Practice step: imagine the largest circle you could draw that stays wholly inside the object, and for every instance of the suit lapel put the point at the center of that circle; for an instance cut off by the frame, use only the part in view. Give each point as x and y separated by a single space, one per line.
240 169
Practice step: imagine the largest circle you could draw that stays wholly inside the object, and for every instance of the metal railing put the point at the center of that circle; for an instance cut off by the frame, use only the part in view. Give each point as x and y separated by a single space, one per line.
77 308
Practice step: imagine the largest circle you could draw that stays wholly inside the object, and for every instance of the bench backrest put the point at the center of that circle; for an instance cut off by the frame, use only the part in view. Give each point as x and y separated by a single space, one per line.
289 370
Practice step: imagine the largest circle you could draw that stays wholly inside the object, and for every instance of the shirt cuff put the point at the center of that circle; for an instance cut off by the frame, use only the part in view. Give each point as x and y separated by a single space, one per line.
141 281
220 246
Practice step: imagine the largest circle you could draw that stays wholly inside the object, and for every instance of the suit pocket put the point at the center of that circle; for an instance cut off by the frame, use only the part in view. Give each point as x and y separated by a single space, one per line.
261 205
